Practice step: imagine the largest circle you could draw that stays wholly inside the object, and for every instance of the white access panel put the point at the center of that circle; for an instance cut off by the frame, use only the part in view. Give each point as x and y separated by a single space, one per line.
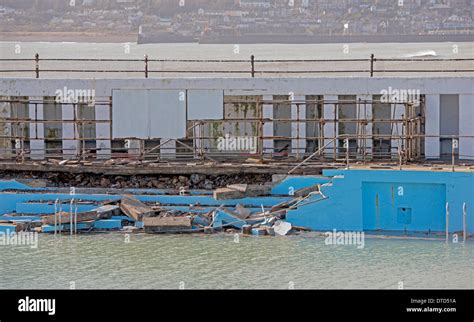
145 114
167 114
205 104
130 114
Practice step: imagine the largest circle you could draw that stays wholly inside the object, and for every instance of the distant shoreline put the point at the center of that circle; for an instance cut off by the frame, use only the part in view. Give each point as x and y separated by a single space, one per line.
97 37
84 37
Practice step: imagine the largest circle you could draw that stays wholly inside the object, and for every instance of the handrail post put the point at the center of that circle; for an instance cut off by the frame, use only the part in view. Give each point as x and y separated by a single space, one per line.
372 59
56 215
146 65
71 222
464 222
37 65
447 222
454 144
346 145
252 63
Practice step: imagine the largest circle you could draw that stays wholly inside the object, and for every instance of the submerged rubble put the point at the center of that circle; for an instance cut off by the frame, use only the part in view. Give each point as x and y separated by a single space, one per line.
127 213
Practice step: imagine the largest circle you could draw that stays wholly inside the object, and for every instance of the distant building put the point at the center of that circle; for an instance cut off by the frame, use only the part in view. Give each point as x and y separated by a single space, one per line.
255 4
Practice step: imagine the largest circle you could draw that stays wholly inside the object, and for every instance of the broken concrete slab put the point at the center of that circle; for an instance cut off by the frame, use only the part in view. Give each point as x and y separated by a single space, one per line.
239 191
270 230
259 231
306 191
252 190
201 220
135 208
255 190
227 218
281 227
238 187
65 217
166 224
227 194
246 229
107 211
241 212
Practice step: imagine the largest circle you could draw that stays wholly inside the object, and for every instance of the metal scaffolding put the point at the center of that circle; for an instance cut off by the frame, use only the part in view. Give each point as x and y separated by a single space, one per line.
329 130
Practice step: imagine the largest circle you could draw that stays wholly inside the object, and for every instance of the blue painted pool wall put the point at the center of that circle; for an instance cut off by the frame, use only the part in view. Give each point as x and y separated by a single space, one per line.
351 203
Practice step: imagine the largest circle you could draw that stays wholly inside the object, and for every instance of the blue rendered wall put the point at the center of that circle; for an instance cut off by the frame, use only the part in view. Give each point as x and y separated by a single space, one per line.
351 201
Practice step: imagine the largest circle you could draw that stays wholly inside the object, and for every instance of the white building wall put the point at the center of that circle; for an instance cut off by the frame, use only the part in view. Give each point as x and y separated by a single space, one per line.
267 111
70 147
329 127
37 146
397 112
365 112
330 87
298 129
102 130
466 126
432 148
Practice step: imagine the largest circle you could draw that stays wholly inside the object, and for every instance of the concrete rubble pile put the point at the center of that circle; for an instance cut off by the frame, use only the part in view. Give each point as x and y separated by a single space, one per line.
128 214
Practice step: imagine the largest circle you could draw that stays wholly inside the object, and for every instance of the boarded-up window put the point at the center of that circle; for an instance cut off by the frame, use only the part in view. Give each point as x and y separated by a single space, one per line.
449 123
237 110
381 128
86 131
282 123
313 125
347 113
53 128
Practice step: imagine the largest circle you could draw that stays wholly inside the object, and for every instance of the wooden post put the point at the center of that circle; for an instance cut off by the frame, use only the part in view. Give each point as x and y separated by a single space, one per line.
346 145
146 65
455 144
252 63
447 222
37 65
464 222
372 60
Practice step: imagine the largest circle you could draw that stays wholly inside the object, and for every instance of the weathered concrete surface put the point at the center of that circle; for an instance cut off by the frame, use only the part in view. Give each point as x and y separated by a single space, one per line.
135 208
166 224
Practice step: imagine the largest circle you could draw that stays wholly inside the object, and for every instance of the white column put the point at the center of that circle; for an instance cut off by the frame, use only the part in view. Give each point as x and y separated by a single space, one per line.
134 148
103 135
37 146
70 147
432 124
397 111
5 130
466 126
267 111
365 112
329 114
168 150
197 134
298 129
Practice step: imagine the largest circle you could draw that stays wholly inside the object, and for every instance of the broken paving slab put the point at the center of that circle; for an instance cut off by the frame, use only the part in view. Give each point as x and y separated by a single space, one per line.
107 211
224 218
239 191
307 190
281 227
227 194
65 217
135 208
167 224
